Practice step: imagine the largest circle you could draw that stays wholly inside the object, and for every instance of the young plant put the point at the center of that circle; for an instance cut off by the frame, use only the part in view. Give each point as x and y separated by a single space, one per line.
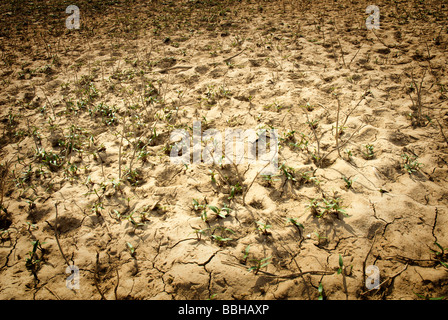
131 219
427 297
212 176
234 190
369 152
246 254
96 208
288 172
296 224
200 207
223 212
197 206
441 256
287 136
130 248
333 205
341 265
268 179
33 262
410 163
349 154
301 145
320 291
260 263
348 182
220 240
200 232
52 160
326 207
313 206
313 124
263 227
133 177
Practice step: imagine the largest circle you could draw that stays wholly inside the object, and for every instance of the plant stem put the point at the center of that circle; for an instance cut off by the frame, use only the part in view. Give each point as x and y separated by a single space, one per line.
56 235
337 127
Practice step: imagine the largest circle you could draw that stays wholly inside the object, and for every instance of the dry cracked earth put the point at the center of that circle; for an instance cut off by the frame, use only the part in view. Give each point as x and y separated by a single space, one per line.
87 183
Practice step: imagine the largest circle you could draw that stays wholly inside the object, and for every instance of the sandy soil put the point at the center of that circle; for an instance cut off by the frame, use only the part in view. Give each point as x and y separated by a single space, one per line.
86 178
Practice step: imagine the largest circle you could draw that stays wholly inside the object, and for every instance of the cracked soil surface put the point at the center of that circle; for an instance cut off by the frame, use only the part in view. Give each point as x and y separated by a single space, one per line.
86 179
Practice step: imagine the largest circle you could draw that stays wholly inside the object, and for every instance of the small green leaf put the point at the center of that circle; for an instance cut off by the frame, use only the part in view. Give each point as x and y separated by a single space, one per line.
264 259
441 248
130 247
214 209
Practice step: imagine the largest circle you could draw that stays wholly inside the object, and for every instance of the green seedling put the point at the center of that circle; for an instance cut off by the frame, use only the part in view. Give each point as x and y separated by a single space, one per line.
410 163
143 155
341 130
223 212
341 265
268 178
52 160
348 182
309 107
288 172
320 291
200 232
117 185
33 262
234 190
369 152
30 226
326 206
260 263
276 106
296 224
220 240
200 207
107 113
130 248
313 124
307 177
301 145
213 296
131 219
197 206
287 136
313 206
96 208
263 227
319 237
72 169
441 256
333 206
427 297
132 176
349 154
212 175
246 254
204 216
